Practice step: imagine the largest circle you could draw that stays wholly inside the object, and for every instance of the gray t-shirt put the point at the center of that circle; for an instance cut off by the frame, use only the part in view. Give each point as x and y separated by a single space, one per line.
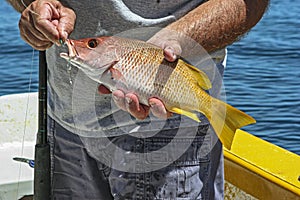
73 100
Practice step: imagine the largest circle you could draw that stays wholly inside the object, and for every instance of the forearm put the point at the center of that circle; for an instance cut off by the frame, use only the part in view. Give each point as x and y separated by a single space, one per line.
218 23
19 5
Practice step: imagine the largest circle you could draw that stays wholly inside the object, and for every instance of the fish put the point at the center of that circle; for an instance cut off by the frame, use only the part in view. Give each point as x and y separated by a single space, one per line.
139 67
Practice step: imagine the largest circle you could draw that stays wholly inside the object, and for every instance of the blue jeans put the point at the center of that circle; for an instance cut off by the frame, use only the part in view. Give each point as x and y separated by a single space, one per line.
86 168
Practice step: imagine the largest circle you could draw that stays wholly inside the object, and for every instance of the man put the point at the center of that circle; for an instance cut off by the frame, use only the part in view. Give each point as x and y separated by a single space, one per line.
83 168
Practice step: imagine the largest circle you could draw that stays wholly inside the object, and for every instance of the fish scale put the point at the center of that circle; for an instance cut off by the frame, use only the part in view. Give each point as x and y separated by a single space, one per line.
151 81
140 68
142 84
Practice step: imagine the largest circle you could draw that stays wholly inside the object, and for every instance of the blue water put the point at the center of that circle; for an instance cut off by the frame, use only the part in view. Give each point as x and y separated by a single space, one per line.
16 63
262 76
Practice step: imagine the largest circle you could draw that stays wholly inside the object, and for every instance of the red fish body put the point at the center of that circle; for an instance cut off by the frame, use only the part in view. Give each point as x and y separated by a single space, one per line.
139 67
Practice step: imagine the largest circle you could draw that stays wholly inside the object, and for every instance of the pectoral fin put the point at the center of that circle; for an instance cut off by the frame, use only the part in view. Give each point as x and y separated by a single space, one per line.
186 113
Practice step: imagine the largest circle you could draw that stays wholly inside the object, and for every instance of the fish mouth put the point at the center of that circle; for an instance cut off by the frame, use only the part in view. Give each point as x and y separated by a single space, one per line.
71 49
72 56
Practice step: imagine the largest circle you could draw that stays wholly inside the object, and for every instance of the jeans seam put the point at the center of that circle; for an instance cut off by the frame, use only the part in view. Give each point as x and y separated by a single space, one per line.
51 140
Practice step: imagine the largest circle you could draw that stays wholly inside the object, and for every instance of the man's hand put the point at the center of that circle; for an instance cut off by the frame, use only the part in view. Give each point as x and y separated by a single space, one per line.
44 22
129 102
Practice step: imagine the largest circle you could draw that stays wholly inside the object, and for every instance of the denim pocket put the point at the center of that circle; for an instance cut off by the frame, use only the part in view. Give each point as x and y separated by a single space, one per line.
181 183
178 151
166 166
187 161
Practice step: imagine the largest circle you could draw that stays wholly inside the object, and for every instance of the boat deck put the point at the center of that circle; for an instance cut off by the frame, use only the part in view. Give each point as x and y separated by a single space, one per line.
262 169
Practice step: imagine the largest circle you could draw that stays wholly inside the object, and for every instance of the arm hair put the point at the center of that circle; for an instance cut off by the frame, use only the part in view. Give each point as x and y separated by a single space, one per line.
218 23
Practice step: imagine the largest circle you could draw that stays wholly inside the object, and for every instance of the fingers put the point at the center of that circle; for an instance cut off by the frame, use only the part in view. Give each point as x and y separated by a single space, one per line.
34 38
46 22
119 99
169 42
43 23
103 90
30 33
130 103
66 22
172 50
136 109
127 102
158 109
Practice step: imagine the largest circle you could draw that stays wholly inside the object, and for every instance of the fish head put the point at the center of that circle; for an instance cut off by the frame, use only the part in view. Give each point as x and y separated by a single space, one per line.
92 55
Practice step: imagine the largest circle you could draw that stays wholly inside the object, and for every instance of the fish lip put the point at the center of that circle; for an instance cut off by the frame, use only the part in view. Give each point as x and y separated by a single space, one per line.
65 56
72 52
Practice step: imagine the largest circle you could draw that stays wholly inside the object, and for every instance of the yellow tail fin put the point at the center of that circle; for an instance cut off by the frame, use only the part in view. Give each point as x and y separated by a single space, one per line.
225 119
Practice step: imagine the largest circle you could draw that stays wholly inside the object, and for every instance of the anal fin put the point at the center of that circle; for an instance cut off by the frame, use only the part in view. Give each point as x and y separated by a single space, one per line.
185 113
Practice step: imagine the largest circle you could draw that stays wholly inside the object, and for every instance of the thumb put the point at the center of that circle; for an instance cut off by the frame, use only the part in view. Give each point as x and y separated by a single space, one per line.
172 50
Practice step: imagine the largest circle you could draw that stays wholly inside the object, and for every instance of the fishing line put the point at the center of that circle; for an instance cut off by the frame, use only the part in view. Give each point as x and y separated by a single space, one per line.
26 6
26 116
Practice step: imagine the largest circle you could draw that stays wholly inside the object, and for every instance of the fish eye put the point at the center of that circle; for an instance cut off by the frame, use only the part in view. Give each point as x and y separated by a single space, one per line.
93 43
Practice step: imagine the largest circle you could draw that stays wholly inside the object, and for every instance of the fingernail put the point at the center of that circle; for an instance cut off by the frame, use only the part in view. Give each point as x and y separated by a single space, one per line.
170 54
152 104
170 49
115 98
128 100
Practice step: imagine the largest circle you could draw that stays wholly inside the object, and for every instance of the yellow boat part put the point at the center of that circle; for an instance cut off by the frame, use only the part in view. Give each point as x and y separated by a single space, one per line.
261 169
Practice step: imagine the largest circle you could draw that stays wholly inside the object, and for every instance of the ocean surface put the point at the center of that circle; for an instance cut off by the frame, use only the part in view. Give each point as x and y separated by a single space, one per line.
262 76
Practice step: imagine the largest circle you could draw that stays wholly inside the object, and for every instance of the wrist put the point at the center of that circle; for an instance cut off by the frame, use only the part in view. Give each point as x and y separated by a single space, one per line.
20 5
